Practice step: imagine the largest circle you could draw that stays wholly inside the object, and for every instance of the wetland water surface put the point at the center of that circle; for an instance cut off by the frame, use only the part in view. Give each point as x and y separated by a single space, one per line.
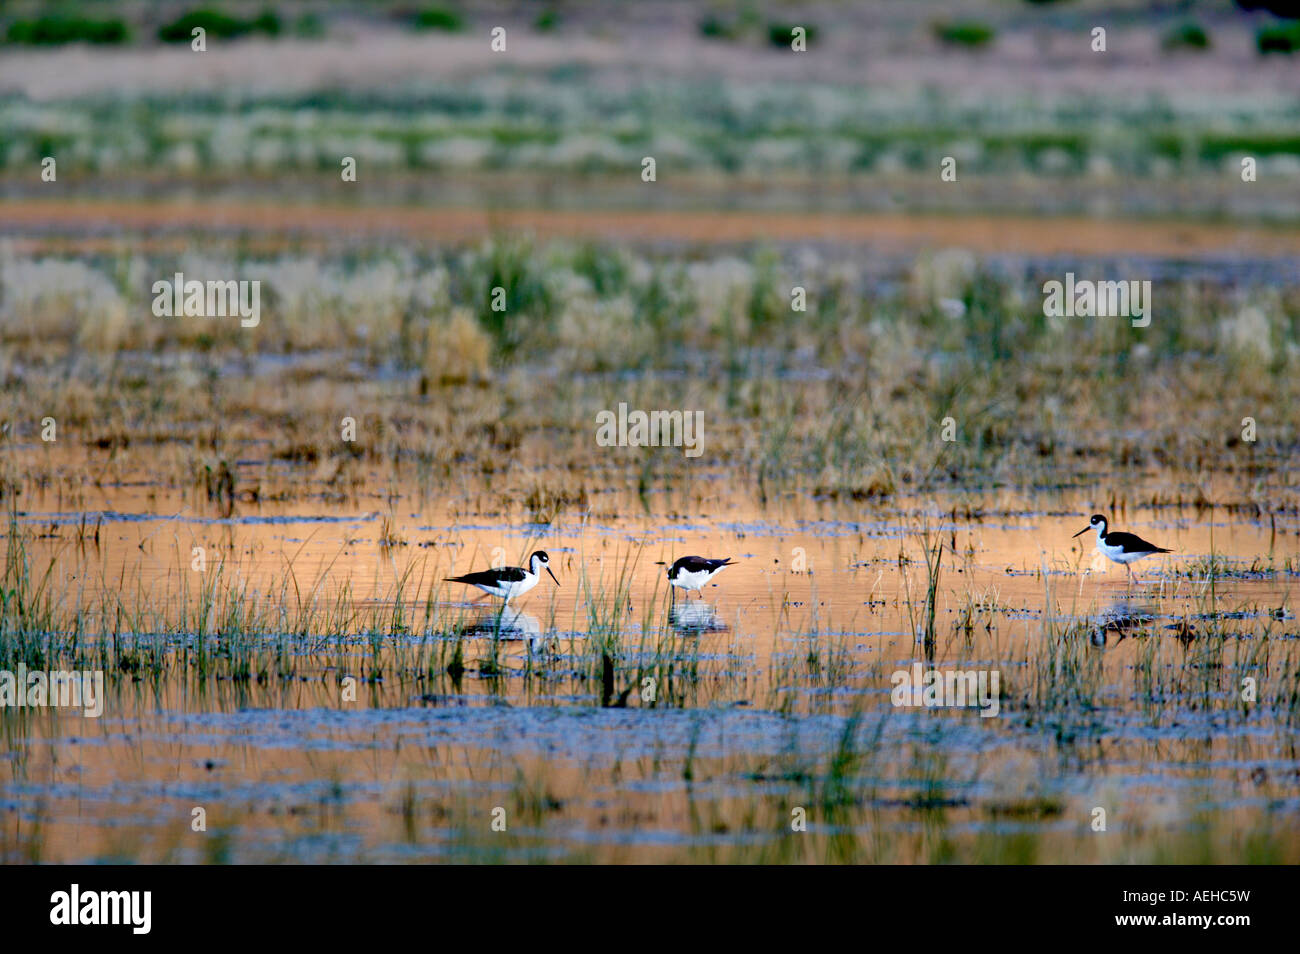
245 527
298 677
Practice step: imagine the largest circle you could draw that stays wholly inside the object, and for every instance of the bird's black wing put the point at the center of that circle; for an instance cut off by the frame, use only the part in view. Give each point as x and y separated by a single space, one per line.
1132 543
508 574
695 564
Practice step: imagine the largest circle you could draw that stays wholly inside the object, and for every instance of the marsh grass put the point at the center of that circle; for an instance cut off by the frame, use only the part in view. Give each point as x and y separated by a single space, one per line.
837 407
922 621
844 401
869 797
817 129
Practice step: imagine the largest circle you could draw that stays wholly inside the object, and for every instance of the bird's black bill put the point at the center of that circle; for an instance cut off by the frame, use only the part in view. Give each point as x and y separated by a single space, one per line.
552 575
1081 532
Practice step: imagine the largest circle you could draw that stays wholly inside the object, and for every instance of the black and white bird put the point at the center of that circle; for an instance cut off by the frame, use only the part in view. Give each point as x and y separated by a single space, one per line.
692 572
507 582
1121 548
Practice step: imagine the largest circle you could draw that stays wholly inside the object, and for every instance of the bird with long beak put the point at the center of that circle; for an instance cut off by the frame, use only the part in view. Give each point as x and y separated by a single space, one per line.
507 582
1119 547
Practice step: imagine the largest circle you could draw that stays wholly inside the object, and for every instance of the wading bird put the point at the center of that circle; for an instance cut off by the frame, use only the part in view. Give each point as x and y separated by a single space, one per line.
692 572
507 582
1122 548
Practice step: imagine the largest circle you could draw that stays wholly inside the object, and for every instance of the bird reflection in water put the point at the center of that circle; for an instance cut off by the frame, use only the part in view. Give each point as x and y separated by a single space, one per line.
507 624
695 618
1121 619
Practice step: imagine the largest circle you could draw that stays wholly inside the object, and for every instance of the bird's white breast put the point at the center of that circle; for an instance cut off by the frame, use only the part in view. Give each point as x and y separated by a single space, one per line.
522 586
1116 553
509 589
693 581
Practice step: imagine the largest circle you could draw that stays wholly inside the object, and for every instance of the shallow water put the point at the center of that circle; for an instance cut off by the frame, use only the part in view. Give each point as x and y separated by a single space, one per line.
771 692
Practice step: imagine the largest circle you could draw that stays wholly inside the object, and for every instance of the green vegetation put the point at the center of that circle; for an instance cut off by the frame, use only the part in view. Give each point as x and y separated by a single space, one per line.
440 18
965 33
463 126
217 24
57 29
309 26
1186 36
783 34
1278 38
513 294
718 27
548 19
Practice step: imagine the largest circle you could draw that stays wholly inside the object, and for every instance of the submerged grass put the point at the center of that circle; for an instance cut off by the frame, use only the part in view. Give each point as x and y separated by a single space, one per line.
880 785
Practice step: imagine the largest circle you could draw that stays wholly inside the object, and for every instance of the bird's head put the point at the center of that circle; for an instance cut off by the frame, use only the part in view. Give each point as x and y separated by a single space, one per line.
540 561
1098 523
